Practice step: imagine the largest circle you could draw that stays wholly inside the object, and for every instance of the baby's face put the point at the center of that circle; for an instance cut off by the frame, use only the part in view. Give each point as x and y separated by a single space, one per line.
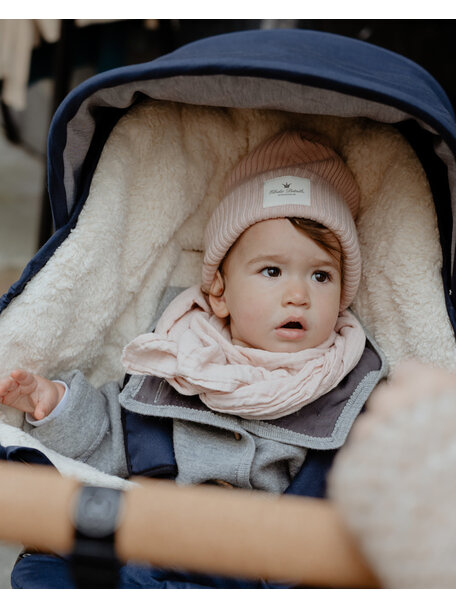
282 289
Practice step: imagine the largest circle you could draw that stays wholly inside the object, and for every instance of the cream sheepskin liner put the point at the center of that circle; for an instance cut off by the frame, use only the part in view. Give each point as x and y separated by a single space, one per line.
159 177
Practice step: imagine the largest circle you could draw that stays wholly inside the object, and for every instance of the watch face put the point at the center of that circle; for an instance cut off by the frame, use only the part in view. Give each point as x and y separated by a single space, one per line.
96 512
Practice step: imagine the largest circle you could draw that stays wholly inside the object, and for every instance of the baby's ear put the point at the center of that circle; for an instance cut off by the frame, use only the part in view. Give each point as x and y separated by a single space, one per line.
217 297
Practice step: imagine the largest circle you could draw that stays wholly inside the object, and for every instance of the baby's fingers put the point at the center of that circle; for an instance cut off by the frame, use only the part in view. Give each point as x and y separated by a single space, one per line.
15 398
15 391
25 380
6 386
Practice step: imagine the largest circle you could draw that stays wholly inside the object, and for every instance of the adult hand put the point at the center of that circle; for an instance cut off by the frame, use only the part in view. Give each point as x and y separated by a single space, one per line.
411 382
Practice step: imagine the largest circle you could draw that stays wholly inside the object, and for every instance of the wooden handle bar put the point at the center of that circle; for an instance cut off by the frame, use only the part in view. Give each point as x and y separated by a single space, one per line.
201 529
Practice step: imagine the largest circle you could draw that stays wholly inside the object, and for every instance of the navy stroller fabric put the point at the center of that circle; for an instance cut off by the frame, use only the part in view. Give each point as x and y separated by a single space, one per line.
38 571
14 453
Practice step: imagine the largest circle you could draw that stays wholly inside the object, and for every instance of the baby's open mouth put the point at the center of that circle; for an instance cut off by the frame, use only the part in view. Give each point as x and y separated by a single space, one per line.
292 329
293 325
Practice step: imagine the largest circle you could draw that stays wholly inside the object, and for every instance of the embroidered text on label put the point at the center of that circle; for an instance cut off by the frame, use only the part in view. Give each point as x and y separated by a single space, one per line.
286 190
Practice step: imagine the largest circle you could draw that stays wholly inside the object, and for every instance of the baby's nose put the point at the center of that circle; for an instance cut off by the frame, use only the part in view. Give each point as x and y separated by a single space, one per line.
296 293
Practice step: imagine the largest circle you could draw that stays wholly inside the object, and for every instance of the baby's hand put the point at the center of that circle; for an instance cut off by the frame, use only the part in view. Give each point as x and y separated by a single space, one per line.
30 393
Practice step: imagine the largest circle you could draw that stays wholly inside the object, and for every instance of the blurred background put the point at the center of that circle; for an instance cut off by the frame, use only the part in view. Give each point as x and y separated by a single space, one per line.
42 60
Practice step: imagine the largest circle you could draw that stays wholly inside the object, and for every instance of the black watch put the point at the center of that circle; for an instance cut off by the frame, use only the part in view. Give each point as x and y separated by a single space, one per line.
93 561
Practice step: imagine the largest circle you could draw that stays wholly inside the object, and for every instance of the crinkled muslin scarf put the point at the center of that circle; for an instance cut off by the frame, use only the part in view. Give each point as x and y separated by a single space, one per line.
191 348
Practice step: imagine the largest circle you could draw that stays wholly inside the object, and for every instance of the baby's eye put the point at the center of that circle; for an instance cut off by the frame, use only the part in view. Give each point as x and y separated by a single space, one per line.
271 271
321 276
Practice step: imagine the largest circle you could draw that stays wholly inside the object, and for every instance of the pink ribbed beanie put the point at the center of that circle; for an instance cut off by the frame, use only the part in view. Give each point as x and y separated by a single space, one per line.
293 174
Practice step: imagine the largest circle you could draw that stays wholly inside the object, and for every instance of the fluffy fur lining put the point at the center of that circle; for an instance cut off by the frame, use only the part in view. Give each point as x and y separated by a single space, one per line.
158 179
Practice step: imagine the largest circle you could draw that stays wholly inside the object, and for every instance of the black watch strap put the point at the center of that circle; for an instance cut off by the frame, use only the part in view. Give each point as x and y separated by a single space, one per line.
94 563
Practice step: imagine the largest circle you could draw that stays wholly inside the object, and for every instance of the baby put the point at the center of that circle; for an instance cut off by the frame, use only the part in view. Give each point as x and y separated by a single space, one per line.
260 352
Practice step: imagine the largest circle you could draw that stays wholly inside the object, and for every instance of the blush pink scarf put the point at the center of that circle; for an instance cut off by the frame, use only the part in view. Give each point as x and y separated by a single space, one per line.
191 348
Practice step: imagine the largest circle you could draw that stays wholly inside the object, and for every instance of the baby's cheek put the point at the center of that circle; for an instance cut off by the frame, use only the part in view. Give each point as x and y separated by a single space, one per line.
249 325
254 310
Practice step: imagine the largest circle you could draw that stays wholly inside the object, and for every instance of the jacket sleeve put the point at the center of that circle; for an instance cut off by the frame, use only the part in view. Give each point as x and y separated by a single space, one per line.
89 428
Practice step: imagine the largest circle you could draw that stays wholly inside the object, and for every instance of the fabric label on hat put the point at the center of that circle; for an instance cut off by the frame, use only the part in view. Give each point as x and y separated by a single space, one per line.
286 190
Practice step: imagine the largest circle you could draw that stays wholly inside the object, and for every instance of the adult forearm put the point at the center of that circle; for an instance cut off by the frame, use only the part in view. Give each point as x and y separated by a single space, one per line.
203 529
